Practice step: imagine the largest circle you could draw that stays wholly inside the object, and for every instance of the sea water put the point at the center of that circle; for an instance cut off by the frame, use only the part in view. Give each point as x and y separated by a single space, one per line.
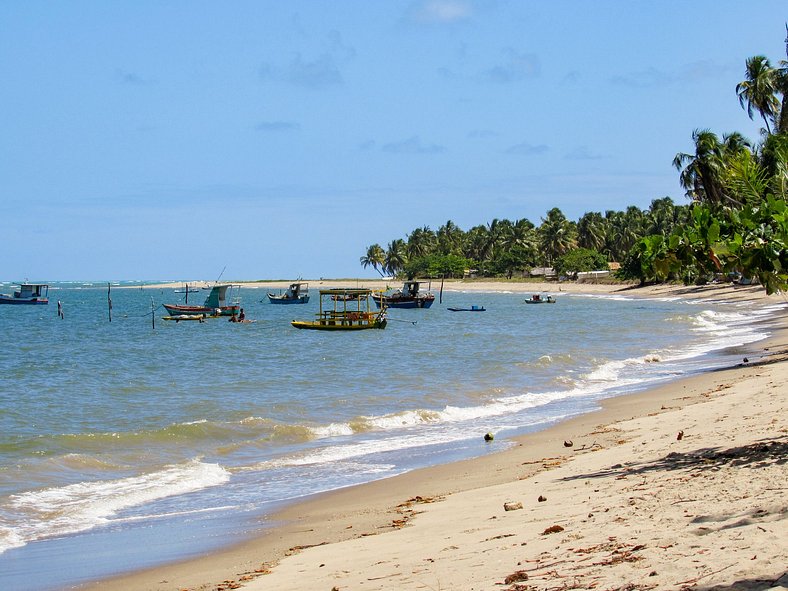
135 441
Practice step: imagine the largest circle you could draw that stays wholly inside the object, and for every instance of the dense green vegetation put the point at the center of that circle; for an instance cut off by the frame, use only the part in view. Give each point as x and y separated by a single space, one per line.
736 222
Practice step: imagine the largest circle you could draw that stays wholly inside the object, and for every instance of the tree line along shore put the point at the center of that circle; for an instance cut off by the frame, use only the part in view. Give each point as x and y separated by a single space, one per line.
735 224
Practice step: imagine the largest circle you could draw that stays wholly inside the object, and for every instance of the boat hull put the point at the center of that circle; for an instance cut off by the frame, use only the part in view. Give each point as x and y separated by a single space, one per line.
181 310
275 299
338 325
473 309
404 302
179 317
23 301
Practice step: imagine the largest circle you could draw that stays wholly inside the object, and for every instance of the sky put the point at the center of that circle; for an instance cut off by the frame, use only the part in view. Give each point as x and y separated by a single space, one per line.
261 139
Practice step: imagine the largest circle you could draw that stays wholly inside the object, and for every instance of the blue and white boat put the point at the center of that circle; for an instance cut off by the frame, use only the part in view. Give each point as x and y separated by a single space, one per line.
28 293
409 296
297 293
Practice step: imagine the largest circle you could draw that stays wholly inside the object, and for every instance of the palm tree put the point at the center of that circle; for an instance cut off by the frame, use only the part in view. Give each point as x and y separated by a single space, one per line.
774 159
781 83
420 243
520 234
475 239
757 92
450 238
557 234
497 232
701 171
374 257
591 230
625 228
660 218
395 258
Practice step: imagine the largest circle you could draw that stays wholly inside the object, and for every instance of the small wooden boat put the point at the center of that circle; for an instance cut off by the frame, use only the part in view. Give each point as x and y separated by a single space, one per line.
409 296
345 314
471 309
197 317
215 304
297 293
28 293
540 299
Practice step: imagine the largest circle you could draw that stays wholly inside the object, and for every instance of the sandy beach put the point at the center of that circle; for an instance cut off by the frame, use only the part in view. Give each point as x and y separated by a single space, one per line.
680 487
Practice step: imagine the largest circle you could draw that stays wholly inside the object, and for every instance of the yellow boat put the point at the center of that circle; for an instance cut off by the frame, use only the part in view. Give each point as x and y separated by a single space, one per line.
345 309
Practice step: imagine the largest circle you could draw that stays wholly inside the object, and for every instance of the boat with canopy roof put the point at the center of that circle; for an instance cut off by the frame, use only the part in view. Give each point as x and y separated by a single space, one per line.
345 310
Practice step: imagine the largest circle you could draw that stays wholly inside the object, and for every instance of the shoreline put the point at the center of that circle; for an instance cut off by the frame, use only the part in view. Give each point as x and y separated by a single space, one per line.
375 513
712 291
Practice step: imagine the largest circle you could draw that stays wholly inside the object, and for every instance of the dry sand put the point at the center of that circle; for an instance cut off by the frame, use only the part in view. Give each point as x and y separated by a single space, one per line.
682 487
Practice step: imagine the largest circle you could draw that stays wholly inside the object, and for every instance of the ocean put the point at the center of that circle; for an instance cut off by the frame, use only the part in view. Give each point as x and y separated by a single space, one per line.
137 441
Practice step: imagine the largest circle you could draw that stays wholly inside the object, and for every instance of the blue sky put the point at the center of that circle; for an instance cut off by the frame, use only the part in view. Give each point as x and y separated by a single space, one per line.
156 140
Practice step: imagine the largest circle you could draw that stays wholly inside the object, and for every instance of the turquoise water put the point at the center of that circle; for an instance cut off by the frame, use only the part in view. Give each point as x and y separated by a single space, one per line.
137 445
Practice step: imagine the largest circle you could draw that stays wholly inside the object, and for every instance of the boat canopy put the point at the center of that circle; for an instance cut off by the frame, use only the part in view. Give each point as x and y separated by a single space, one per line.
32 290
218 296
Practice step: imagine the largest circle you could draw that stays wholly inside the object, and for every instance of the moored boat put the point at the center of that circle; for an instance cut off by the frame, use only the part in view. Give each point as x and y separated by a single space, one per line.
296 293
28 293
471 309
215 305
345 313
178 317
187 289
540 299
409 296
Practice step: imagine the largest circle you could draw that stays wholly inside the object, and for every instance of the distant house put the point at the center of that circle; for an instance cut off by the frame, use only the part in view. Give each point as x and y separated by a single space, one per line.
546 272
594 276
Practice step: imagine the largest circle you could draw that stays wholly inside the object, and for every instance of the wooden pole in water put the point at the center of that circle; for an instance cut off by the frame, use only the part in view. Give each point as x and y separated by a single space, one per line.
440 300
152 314
109 300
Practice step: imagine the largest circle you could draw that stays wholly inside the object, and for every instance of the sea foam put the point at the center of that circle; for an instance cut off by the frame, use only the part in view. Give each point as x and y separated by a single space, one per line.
78 507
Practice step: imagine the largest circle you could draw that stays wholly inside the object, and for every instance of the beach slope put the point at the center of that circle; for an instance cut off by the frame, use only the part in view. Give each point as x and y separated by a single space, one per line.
680 487
689 494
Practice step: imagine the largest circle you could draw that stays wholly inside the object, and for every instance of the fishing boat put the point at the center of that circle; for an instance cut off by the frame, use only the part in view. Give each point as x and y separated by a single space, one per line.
215 304
345 314
187 289
471 309
409 296
178 317
28 293
296 293
540 299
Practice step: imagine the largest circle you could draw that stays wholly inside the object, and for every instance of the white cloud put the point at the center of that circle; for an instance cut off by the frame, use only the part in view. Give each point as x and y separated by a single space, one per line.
440 11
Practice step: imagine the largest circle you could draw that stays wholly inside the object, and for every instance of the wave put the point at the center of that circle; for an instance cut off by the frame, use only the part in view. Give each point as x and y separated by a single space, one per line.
58 511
